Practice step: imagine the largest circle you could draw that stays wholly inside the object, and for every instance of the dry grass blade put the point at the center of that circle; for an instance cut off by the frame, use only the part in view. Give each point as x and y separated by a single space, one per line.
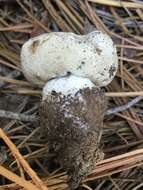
124 94
9 65
23 91
108 94
70 15
104 168
62 24
115 3
124 107
18 116
32 17
16 28
23 162
14 81
18 180
124 161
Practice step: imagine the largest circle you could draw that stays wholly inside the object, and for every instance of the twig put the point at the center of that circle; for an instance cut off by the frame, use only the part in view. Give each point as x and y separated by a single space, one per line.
130 119
32 17
124 94
118 3
12 75
32 118
18 180
39 183
14 81
18 116
138 186
124 107
7 1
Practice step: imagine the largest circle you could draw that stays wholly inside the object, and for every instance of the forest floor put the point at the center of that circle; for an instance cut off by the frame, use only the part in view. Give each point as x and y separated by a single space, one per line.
24 159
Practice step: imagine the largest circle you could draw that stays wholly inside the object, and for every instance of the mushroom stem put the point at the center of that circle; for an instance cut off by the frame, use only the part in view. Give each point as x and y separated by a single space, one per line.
71 115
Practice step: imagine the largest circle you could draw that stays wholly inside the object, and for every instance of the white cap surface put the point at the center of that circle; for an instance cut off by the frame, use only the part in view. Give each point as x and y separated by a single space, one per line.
55 54
69 85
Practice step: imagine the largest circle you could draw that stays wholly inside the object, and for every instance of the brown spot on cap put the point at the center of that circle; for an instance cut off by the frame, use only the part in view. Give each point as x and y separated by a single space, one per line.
98 51
111 71
102 74
34 46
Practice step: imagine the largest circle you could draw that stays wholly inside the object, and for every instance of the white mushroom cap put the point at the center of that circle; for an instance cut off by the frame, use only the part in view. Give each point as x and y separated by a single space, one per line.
69 85
55 54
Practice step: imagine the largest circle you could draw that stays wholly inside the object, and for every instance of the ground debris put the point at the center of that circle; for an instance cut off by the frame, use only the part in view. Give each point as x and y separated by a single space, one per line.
123 124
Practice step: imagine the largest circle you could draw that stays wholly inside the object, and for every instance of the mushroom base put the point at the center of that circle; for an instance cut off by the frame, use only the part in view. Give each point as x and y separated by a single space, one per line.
73 127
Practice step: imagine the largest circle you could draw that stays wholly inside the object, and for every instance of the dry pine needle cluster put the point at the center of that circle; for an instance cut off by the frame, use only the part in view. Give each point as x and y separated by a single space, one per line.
24 159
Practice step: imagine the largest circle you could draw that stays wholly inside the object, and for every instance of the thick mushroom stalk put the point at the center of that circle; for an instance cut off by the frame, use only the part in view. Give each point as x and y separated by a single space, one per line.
71 115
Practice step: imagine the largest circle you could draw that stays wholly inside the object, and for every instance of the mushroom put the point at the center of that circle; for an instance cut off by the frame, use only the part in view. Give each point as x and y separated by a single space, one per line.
56 54
72 68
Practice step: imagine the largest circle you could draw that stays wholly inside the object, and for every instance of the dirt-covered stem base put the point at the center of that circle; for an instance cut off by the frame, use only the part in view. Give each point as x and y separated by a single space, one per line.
73 126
